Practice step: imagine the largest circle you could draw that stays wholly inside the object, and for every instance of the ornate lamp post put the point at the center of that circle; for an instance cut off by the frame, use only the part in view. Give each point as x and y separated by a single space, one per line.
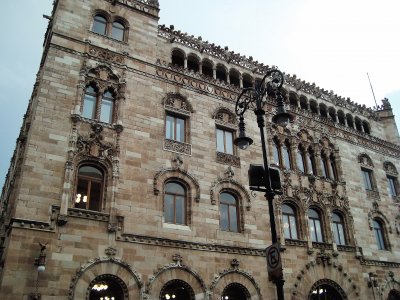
253 98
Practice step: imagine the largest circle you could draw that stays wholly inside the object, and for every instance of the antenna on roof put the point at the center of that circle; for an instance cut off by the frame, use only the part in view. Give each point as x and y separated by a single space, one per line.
372 90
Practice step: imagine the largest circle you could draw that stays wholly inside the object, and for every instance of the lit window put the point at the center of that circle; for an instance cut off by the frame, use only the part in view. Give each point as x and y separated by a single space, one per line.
174 203
379 236
117 31
99 25
338 229
228 212
89 188
367 178
314 221
224 141
175 128
289 222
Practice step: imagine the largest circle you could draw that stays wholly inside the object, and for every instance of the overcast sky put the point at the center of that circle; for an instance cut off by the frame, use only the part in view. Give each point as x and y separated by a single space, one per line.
331 43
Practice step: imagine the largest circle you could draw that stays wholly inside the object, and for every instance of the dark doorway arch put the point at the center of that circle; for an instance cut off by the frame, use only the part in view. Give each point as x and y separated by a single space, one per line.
107 286
326 289
177 290
394 295
235 291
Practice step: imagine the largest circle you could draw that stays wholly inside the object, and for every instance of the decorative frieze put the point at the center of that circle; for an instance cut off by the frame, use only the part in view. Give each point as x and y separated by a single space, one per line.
178 147
228 159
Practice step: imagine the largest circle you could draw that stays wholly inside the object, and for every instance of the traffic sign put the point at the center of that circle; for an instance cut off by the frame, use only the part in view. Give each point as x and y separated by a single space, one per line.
274 262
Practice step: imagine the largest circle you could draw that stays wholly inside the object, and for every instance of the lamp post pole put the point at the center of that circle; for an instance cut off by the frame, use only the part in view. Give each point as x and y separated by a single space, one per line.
253 97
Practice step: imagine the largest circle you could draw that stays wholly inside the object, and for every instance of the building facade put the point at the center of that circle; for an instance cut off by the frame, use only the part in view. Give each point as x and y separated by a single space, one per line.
125 182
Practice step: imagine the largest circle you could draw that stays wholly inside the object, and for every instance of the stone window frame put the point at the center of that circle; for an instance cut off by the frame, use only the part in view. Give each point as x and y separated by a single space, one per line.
110 20
322 220
391 172
100 91
177 105
367 166
297 214
187 205
226 120
384 233
239 209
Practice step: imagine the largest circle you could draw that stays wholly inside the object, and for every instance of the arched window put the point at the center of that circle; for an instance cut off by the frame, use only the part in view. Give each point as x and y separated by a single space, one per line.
332 114
311 168
287 163
303 102
89 103
247 81
313 106
207 68
350 122
358 124
107 107
289 222
235 291
178 58
379 234
193 63
221 73
293 99
323 111
367 128
102 111
341 117
89 188
338 229
234 77
229 216
325 165
177 289
174 203
326 289
117 30
107 286
333 168
314 221
276 152
301 159
99 24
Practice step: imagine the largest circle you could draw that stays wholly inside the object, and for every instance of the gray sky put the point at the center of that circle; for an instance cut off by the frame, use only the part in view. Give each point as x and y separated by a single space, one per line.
331 43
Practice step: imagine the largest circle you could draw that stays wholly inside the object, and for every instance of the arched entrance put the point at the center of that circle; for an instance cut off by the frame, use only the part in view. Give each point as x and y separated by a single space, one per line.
235 291
177 290
107 287
326 289
394 295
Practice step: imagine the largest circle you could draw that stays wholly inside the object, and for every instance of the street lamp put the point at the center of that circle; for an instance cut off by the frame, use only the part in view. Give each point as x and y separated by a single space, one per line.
253 98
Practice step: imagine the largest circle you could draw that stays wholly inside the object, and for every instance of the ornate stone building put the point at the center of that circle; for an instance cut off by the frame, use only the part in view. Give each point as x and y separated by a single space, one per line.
125 183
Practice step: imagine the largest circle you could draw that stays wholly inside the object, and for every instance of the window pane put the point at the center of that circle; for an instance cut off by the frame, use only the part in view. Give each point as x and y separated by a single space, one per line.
117 31
89 104
90 171
169 208
106 111
223 222
99 25
312 230
300 162
233 218
287 209
367 179
220 140
95 196
318 230
392 186
324 168
293 227
180 130
275 153
169 128
341 239
180 210
286 157
229 142
81 192
174 188
227 198
286 226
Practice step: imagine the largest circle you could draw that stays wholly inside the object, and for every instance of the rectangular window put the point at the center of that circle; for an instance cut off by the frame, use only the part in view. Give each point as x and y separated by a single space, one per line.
224 141
106 111
392 185
367 177
175 128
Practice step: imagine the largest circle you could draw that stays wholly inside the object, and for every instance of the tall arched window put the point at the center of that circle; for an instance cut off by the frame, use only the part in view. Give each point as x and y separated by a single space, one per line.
99 24
314 221
311 162
338 229
325 165
301 159
289 222
229 216
98 107
107 286
117 30
333 168
286 156
89 103
174 203
379 234
276 153
178 58
89 188
177 289
107 107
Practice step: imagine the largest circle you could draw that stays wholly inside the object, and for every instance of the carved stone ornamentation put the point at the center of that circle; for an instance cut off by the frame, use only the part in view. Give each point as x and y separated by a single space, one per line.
176 146
228 159
110 251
